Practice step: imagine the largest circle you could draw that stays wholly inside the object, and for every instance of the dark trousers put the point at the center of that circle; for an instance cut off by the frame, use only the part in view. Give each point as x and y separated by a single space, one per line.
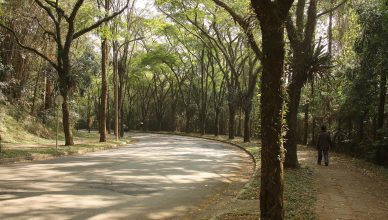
325 156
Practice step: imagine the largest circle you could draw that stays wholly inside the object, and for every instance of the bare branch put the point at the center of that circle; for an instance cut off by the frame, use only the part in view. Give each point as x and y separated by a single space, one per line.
29 48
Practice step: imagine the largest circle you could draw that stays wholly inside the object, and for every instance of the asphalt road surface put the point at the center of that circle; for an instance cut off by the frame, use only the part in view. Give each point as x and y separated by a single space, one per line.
157 177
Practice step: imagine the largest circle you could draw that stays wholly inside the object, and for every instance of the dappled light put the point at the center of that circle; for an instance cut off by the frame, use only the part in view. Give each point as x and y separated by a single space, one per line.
165 175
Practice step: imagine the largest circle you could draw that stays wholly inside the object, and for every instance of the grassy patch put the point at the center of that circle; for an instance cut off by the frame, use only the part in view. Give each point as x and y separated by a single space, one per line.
299 193
252 190
88 144
17 126
233 216
370 169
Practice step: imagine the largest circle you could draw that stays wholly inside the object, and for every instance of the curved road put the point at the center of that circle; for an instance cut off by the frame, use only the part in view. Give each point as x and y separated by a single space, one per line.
157 177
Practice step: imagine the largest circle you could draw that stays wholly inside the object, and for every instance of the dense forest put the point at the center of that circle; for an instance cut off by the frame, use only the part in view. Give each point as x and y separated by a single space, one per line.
275 70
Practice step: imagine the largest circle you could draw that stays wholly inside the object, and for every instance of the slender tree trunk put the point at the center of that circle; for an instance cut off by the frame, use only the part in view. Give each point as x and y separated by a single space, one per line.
104 91
313 118
66 117
108 114
330 29
48 94
35 91
306 124
116 90
239 128
383 92
232 114
104 84
247 122
188 121
217 122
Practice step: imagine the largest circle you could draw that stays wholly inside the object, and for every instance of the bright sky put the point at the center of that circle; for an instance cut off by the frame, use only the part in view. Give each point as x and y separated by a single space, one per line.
146 7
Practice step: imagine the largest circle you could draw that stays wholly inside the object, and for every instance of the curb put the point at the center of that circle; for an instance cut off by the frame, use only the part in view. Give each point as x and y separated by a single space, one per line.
255 167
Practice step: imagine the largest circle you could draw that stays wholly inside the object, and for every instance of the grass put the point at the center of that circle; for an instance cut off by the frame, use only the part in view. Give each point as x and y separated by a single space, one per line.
369 168
299 194
26 138
34 153
17 126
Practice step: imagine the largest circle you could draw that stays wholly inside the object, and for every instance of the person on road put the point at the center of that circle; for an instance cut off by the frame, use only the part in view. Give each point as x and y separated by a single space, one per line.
323 145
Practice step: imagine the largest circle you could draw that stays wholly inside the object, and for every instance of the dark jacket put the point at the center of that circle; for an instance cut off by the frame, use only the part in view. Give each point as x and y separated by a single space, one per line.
324 141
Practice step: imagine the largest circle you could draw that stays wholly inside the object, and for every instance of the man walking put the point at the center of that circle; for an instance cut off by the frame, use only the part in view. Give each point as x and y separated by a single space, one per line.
323 146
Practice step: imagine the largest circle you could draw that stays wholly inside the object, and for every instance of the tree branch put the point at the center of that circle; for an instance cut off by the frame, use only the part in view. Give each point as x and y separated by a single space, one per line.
292 33
244 25
29 48
98 23
332 9
75 10
47 9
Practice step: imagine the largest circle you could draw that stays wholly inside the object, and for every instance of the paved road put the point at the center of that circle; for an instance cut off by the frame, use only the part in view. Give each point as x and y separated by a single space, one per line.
158 177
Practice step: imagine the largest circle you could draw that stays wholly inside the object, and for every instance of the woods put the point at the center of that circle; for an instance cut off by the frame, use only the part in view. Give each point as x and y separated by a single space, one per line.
270 69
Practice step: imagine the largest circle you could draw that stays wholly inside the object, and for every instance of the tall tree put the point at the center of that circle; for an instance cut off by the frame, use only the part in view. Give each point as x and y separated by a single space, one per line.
307 59
63 30
104 82
272 15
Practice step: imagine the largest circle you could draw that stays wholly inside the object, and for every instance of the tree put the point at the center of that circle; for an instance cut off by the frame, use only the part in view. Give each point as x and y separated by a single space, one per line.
104 84
272 15
63 29
308 59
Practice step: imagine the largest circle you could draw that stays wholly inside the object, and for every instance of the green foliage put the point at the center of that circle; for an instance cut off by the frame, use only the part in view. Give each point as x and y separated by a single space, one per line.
157 56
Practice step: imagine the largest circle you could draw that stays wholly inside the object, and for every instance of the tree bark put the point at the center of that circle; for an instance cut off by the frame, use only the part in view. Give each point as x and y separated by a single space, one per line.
232 114
247 122
302 51
48 93
104 83
382 98
66 116
116 90
306 123
217 122
294 92
104 91
271 17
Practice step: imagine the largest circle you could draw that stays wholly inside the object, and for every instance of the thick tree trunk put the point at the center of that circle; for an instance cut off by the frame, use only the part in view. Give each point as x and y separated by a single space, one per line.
104 91
272 16
271 192
294 92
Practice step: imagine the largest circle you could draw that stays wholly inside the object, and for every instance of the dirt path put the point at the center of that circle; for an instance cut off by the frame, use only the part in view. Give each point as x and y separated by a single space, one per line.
346 191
